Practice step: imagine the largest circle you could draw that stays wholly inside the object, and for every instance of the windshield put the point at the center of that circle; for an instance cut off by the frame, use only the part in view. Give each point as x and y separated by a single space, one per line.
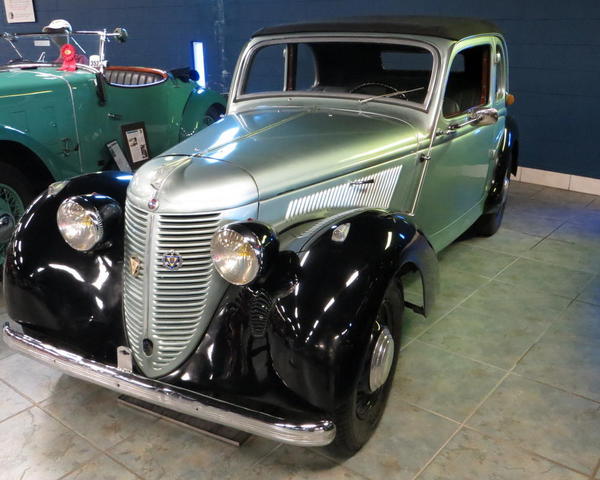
369 70
45 48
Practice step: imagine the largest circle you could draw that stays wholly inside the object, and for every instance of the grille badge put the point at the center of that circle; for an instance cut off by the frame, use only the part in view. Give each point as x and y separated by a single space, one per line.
135 266
172 260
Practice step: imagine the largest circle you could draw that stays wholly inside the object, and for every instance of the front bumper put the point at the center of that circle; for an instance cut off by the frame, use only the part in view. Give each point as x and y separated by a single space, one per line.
303 432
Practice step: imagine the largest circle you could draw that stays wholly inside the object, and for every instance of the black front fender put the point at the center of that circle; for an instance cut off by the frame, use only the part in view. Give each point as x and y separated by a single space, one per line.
319 336
59 294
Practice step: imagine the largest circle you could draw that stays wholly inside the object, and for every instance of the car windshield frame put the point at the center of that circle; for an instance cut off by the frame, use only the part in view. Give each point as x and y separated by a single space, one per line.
359 98
99 46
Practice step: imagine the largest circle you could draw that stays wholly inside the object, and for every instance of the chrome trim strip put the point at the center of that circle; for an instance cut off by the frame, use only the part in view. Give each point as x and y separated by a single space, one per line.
313 434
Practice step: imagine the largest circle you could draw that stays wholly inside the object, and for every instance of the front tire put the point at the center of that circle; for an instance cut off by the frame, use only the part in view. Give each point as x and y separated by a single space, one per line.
357 418
16 193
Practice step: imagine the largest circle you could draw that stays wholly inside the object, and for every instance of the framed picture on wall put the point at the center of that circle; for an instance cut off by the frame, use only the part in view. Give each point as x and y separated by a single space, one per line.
19 11
136 144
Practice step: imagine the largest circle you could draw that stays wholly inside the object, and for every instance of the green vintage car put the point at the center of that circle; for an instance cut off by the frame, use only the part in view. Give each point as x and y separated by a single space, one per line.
56 124
254 275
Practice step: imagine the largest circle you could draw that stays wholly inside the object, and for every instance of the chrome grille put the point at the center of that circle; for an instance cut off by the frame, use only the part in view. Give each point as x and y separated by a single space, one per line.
134 297
162 305
179 297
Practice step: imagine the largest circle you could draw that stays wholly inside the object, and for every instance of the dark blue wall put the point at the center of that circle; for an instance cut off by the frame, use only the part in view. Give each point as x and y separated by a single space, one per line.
554 50
160 31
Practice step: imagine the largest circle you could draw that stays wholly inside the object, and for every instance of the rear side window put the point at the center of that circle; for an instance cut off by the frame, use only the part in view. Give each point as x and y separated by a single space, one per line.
468 81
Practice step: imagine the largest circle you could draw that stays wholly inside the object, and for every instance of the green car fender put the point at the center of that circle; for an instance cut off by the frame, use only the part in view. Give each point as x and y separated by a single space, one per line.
29 153
202 109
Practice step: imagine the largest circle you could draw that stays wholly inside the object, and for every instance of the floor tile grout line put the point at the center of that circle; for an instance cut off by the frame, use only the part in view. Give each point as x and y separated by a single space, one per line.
445 315
462 355
80 467
595 471
432 412
460 427
509 443
557 387
476 408
488 281
91 442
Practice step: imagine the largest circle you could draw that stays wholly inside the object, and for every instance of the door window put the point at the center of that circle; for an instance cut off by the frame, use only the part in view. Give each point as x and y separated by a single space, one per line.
468 81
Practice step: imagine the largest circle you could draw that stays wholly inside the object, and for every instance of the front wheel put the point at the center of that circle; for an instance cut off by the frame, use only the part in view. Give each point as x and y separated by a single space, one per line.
357 418
15 194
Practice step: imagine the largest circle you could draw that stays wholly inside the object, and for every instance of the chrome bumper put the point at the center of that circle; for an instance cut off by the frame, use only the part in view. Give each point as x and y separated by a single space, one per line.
308 434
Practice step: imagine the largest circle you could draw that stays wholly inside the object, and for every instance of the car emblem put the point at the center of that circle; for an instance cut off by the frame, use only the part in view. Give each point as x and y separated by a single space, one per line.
153 204
135 266
172 260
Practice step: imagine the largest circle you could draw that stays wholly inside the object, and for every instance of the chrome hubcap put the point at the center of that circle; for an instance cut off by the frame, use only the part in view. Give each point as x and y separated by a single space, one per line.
381 360
7 225
11 209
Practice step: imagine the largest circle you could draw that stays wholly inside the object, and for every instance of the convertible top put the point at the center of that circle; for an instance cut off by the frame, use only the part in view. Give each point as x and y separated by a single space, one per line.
453 28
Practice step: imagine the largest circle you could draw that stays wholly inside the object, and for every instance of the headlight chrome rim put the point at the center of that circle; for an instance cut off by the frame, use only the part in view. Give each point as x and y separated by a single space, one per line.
246 239
79 205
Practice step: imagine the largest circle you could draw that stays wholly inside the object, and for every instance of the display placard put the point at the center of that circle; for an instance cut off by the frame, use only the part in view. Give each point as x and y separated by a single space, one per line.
118 156
136 141
19 11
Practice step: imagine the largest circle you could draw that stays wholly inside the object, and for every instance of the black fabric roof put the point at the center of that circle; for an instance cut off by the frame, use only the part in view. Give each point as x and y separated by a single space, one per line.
453 28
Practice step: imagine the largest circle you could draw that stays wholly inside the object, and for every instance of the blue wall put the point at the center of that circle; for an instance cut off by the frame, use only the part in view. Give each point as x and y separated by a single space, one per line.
160 31
554 50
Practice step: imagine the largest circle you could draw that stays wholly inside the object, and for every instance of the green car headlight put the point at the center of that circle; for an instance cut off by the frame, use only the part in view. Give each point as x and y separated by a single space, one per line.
86 221
241 251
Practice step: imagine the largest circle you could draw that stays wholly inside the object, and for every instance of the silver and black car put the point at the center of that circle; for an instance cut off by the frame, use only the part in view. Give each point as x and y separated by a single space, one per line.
253 275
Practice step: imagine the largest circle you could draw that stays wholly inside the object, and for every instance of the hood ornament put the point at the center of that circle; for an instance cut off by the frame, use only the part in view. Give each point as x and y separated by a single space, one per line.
172 260
135 266
161 175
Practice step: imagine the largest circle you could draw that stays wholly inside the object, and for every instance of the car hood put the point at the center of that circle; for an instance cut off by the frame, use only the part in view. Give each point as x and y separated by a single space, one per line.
277 150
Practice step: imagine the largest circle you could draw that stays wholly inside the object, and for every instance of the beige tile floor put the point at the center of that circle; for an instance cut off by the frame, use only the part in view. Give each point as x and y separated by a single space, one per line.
501 383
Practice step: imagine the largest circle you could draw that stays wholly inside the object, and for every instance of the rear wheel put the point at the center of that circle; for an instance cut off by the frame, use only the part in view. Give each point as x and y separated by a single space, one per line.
357 418
15 194
489 223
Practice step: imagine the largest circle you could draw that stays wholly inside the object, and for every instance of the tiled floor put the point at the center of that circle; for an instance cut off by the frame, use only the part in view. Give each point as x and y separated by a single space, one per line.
501 383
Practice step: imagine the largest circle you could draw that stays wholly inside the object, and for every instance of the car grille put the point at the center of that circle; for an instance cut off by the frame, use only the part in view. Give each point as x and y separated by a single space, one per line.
166 306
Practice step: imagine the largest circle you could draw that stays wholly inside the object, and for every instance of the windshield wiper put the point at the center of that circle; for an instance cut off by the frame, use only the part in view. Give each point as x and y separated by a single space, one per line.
391 94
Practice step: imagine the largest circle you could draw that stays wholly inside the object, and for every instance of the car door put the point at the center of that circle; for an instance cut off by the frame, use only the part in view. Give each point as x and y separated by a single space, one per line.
456 176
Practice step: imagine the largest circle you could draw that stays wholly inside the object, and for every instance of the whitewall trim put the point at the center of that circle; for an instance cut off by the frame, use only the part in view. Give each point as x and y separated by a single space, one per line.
559 180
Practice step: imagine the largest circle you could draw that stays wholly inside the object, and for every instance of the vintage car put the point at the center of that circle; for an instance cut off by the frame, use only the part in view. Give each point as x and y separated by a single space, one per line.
56 124
253 275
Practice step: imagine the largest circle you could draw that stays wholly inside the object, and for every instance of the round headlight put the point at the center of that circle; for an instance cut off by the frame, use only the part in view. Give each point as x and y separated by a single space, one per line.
87 222
80 224
237 256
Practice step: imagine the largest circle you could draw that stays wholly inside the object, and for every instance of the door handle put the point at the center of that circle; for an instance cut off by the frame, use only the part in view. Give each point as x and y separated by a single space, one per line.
362 183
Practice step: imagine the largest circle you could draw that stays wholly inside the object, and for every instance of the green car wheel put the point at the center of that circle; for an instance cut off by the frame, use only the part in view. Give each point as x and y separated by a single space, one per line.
15 194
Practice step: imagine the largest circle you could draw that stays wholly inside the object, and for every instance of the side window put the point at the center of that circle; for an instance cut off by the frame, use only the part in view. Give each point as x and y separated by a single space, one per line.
468 81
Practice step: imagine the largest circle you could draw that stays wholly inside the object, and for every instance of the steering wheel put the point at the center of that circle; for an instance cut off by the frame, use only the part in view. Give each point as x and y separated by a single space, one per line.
377 85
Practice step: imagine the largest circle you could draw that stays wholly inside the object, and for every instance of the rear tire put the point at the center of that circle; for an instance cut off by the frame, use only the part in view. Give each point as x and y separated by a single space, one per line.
357 418
489 223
